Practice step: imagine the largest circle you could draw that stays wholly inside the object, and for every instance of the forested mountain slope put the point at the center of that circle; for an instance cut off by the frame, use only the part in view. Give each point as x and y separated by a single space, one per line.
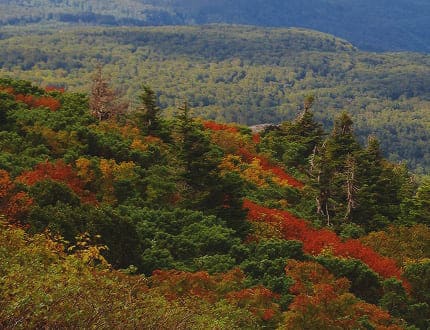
243 74
379 25
112 219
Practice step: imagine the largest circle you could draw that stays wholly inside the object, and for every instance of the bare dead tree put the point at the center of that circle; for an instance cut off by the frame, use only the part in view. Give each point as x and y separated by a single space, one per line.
104 102
351 188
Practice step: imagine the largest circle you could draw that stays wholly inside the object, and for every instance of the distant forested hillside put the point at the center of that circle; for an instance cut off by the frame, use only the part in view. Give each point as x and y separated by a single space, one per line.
241 74
373 25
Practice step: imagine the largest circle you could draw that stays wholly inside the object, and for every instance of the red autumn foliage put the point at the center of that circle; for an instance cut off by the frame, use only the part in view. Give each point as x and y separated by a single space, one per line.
7 90
267 166
35 101
256 138
259 300
327 309
6 184
18 205
268 314
27 99
49 89
213 126
42 101
61 172
322 301
12 204
316 240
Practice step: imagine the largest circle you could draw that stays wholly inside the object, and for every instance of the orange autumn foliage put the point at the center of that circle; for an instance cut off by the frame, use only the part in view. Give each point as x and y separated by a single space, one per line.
49 89
259 300
176 285
12 205
256 138
278 172
41 101
256 174
308 273
7 90
6 184
252 172
84 170
375 315
127 131
228 137
34 101
323 302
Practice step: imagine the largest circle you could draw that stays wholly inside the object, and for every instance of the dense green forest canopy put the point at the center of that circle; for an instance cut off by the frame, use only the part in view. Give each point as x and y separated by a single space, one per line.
379 25
113 219
243 74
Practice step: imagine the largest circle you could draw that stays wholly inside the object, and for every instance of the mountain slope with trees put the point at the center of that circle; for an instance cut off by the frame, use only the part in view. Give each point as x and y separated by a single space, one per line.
242 74
136 220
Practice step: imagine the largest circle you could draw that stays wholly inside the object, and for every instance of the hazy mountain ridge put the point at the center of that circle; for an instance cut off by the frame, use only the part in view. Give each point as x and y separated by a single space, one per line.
373 25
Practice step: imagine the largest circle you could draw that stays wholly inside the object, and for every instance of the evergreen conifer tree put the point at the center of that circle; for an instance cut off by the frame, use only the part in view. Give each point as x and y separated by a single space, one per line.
334 171
148 113
206 189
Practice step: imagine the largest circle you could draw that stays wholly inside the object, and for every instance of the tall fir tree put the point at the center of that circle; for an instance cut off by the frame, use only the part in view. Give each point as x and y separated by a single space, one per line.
148 113
293 143
206 189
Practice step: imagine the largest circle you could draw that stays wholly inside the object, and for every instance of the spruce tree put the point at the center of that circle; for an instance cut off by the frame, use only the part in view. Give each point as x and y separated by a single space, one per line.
293 143
148 113
205 188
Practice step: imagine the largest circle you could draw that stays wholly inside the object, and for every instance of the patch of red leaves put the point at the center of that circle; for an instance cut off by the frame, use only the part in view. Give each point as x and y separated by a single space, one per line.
39 101
316 240
256 138
49 89
34 101
7 90
61 172
12 204
213 126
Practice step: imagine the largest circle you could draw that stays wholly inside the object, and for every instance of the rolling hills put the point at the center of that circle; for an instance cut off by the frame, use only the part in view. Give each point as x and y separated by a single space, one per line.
242 74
